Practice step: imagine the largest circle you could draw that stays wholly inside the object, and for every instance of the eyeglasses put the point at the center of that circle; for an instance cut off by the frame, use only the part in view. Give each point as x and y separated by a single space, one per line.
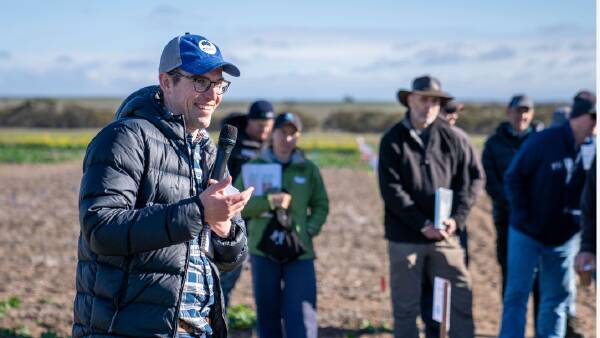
202 84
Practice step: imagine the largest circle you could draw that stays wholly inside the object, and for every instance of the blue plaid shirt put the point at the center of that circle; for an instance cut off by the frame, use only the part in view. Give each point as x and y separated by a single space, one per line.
198 293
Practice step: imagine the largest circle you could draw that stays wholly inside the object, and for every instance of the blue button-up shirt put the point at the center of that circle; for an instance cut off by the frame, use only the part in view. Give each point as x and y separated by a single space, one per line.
198 293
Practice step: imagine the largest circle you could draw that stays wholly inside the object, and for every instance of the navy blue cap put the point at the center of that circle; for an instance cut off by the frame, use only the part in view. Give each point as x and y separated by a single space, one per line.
520 100
288 118
453 107
583 103
196 55
261 109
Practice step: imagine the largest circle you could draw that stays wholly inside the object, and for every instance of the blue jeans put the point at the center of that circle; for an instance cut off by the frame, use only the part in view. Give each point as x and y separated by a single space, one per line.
555 273
285 294
228 281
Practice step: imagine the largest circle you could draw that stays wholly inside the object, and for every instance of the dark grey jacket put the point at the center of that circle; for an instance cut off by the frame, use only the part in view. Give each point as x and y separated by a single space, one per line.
498 152
245 150
138 210
410 172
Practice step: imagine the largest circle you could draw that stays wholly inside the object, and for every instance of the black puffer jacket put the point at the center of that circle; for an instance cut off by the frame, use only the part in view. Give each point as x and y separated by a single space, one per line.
498 152
245 150
138 211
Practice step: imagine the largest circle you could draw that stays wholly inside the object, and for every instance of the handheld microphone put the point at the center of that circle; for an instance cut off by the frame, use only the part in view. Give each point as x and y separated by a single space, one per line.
227 139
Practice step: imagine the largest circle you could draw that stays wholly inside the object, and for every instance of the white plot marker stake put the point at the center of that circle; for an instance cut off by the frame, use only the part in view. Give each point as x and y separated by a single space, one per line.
441 304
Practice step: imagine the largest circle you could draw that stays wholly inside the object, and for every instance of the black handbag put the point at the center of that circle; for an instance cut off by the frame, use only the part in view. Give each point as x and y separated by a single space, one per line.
280 241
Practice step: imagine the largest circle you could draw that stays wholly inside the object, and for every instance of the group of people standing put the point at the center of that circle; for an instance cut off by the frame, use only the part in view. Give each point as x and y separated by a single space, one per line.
145 268
536 179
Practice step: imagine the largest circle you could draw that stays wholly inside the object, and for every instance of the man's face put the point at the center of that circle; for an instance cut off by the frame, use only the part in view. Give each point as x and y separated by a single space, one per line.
423 109
259 129
520 118
450 117
285 138
181 98
590 124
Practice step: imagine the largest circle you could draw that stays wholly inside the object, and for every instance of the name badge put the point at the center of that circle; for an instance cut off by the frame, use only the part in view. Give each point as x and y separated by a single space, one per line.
248 153
300 179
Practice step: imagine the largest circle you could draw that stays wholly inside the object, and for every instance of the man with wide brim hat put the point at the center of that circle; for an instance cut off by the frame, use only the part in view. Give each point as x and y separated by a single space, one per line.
427 86
418 155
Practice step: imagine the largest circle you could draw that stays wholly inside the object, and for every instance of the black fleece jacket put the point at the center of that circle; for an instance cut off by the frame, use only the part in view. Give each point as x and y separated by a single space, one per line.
410 172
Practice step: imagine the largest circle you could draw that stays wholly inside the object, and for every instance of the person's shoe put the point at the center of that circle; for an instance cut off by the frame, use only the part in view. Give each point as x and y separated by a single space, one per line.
573 328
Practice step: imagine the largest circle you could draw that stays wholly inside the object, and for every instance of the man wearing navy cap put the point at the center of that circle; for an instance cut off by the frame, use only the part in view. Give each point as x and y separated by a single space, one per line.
498 151
145 198
253 133
544 183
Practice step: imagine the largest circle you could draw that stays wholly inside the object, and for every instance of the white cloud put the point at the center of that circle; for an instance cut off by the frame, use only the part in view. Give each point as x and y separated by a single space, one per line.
307 64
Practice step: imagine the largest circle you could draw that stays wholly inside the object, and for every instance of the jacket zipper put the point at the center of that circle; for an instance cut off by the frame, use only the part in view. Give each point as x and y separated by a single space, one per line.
185 270
187 244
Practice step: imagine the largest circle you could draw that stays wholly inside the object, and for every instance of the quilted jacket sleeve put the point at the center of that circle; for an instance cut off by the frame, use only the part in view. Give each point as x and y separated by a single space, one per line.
112 172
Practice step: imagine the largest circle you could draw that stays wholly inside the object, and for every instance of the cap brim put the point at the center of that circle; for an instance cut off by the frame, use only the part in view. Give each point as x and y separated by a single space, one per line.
403 95
231 69
202 68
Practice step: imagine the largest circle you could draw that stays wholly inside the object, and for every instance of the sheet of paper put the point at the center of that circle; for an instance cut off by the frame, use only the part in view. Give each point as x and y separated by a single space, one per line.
230 190
263 177
439 300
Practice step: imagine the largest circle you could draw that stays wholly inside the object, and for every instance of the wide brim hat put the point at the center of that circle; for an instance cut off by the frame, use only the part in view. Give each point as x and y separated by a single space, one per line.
426 86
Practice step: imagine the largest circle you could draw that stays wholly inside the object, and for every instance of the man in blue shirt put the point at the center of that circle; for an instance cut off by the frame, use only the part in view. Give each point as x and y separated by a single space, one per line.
543 186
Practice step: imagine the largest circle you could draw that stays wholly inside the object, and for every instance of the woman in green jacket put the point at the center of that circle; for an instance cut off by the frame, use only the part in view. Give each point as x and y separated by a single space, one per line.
303 198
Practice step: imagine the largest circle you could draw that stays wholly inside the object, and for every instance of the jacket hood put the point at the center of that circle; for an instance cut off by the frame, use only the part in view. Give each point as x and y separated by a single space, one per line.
147 103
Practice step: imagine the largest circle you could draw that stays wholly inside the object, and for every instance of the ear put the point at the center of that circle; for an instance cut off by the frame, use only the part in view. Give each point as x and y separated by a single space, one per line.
165 81
410 99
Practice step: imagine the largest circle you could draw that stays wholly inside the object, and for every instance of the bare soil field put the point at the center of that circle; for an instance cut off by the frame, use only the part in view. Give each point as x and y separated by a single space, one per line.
38 240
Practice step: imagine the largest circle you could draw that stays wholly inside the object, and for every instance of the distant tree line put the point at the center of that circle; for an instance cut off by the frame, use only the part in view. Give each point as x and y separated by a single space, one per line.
53 113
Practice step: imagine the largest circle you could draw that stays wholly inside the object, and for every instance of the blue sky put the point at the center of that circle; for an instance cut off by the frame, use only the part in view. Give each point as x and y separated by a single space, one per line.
306 50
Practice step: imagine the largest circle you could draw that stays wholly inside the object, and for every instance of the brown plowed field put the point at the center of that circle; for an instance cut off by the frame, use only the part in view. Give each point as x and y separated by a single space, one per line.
38 240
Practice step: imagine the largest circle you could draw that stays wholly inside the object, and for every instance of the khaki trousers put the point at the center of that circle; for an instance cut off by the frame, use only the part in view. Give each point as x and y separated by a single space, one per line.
411 262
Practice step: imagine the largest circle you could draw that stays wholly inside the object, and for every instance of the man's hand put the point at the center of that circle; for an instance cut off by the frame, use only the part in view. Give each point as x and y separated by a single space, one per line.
438 234
218 208
222 229
585 261
450 224
431 233
281 200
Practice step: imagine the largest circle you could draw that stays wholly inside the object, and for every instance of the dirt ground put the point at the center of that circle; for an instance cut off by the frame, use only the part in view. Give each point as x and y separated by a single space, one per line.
38 241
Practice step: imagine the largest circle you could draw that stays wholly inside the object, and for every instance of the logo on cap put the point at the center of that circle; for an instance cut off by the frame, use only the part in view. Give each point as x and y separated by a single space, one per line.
207 47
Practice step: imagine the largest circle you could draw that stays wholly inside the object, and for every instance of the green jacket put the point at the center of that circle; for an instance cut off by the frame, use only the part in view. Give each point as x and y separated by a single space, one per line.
309 206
